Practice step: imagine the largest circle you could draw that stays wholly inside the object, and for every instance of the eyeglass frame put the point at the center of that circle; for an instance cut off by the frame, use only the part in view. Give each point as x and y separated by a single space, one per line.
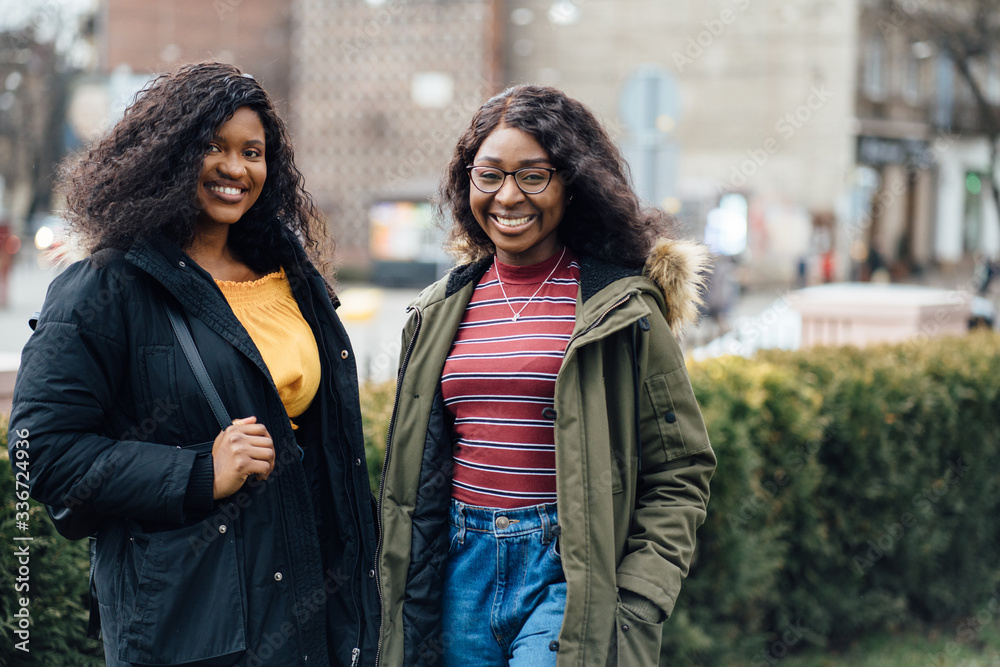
552 171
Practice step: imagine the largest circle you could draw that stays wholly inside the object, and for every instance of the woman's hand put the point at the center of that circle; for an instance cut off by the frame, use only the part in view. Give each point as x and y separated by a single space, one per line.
243 449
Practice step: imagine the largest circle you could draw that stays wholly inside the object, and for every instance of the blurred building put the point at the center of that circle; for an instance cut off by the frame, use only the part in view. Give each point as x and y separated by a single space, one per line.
133 41
705 98
153 37
380 92
818 137
753 100
924 136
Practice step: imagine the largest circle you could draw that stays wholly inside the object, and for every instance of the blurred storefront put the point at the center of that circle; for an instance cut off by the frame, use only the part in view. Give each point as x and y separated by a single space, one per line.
405 244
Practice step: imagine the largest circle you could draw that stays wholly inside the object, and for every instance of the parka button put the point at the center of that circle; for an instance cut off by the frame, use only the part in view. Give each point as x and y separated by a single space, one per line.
371 574
222 528
357 462
549 413
277 576
343 354
670 417
181 264
624 627
553 646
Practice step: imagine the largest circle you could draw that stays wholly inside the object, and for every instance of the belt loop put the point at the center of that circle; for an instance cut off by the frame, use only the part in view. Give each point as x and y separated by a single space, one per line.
544 516
461 523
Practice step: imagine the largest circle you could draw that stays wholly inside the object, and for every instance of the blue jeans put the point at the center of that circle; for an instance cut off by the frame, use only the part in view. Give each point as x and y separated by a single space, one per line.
504 588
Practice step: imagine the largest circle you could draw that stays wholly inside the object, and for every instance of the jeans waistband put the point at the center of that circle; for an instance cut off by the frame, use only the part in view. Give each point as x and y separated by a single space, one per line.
506 522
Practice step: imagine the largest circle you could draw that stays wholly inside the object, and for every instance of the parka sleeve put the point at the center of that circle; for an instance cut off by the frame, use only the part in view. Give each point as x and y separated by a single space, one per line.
672 485
69 384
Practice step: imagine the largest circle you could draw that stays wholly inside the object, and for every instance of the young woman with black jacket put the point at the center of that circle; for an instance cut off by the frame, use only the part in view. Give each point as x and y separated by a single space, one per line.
248 543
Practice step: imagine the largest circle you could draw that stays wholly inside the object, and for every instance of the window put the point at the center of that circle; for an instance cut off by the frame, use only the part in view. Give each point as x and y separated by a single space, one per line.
875 74
945 77
912 80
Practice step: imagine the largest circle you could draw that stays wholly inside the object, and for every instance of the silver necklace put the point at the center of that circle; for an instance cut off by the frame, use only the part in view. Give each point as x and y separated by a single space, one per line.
517 313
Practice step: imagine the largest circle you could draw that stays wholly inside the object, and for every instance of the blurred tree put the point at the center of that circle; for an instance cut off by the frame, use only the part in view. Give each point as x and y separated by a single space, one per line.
40 53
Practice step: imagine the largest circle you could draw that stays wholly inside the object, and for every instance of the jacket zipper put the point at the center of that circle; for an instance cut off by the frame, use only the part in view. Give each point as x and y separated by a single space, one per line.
385 462
355 654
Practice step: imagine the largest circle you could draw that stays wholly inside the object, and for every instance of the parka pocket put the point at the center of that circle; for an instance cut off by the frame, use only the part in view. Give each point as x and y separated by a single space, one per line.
189 603
678 418
638 640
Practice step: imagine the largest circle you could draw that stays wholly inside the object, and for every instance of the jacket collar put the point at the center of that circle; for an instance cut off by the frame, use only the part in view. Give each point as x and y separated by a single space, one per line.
194 288
677 268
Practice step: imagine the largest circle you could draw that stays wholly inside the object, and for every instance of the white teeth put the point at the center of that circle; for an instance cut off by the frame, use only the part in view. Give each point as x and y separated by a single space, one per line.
225 191
512 222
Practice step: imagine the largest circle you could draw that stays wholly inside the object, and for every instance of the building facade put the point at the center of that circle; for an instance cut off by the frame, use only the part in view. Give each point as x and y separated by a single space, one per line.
923 146
821 140
150 37
763 105
381 92
748 97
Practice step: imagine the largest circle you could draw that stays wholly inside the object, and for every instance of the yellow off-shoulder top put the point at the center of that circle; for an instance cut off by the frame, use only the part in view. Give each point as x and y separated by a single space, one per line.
270 314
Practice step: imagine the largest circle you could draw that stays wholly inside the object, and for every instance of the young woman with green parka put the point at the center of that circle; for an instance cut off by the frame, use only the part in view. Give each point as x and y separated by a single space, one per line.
547 464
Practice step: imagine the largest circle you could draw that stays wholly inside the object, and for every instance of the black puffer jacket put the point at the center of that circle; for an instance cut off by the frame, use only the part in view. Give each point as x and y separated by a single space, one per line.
279 573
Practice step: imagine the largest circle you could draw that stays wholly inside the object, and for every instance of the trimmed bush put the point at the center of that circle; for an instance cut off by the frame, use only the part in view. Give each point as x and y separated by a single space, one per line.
376 411
855 493
57 581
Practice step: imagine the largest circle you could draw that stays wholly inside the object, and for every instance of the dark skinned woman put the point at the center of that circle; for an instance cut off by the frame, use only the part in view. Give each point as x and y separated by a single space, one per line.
241 543
547 464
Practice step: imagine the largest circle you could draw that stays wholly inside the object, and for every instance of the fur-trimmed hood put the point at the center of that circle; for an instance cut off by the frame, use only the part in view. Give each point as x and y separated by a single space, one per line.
679 268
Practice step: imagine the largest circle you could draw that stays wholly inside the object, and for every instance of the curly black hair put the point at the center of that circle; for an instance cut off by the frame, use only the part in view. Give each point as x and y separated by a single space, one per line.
604 217
141 179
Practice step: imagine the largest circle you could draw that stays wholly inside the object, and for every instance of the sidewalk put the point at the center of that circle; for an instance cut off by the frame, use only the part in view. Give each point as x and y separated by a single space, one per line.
28 283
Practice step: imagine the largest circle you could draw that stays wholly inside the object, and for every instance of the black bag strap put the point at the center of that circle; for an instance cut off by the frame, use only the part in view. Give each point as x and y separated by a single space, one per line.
215 402
197 365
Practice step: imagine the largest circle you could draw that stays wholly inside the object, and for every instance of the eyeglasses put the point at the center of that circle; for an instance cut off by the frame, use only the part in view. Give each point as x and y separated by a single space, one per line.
531 180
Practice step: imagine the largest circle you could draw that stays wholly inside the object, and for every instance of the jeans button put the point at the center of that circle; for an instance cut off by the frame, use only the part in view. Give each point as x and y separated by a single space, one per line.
502 522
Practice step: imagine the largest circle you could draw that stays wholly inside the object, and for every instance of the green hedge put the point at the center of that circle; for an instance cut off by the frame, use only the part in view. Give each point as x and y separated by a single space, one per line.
857 491
56 580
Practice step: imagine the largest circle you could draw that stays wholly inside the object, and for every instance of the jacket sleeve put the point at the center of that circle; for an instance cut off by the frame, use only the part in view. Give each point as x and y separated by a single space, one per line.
72 375
672 484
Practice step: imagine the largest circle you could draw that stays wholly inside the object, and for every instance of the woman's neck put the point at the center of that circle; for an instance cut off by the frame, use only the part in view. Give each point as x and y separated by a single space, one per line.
211 251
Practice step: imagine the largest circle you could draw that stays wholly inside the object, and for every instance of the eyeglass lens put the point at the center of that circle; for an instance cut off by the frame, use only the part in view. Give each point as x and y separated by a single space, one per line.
531 181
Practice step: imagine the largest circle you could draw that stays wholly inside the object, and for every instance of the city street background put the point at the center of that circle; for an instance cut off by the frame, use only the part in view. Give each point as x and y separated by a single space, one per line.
374 317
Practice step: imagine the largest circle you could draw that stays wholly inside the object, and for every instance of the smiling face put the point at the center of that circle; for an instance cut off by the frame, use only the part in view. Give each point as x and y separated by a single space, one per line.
234 170
522 227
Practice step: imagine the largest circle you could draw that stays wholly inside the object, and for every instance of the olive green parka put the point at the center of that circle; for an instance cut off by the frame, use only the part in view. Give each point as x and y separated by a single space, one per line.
633 462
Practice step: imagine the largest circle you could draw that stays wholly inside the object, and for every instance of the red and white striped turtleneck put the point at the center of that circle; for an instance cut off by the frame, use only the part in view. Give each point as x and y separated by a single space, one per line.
500 377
